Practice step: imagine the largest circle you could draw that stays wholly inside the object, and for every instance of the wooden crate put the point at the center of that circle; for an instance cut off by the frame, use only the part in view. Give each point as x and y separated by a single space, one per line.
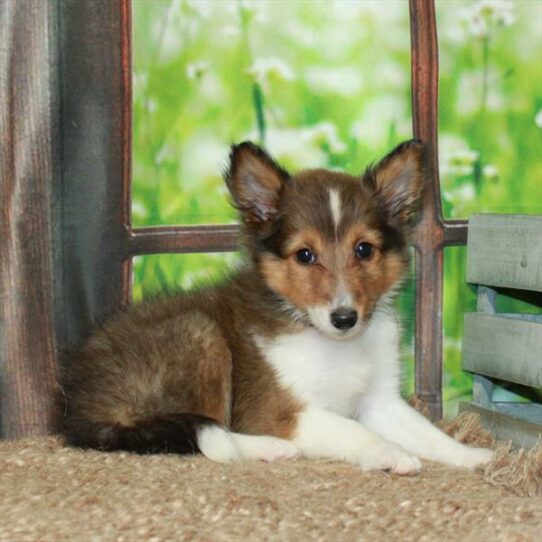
505 251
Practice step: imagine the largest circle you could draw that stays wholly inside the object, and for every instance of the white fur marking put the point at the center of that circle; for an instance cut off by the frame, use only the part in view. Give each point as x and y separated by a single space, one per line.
325 372
222 446
335 206
394 420
218 445
324 434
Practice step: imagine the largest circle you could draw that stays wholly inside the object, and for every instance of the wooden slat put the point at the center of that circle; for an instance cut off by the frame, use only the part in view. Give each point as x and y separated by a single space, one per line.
505 348
455 232
505 251
519 422
482 387
183 239
28 149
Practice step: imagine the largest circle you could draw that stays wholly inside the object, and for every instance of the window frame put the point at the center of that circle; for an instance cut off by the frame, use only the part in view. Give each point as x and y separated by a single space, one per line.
67 265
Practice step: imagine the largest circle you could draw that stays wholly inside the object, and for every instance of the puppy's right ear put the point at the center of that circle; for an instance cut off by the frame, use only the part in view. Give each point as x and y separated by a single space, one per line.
256 183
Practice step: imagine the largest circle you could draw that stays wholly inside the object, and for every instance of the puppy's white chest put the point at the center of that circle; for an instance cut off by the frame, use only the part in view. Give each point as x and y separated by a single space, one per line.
320 371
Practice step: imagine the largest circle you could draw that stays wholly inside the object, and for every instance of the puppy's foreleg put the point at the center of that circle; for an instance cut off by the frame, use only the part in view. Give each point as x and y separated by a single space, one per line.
327 435
394 420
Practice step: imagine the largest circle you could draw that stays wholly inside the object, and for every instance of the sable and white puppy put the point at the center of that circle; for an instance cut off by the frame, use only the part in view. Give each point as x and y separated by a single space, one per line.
295 354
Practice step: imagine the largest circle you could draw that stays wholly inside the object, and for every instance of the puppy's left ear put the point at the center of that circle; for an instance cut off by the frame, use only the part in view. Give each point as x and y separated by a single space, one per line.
398 181
256 183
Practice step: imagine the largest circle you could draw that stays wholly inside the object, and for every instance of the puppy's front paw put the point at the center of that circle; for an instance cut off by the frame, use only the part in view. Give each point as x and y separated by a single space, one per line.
392 458
266 448
474 457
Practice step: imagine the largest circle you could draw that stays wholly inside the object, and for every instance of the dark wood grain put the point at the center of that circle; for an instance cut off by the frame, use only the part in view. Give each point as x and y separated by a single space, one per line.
28 150
185 239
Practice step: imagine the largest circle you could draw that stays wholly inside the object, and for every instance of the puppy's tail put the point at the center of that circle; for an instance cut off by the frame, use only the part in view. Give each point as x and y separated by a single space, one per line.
172 433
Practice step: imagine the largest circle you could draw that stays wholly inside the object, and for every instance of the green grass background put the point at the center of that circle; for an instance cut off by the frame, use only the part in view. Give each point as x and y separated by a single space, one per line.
327 83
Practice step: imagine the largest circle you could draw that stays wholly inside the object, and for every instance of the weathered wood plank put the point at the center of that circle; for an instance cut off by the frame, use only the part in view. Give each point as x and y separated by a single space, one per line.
92 191
519 422
505 251
502 347
64 171
28 116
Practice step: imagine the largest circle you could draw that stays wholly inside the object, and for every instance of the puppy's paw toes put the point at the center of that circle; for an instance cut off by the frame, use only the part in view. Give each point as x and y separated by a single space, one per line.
475 457
393 459
268 448
407 465
277 449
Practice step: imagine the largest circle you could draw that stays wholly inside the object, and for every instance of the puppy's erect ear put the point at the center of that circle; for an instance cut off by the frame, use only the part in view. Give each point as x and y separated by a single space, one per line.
398 180
256 183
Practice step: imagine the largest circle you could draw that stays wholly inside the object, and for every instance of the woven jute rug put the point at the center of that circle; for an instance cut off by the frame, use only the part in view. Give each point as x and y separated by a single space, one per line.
50 492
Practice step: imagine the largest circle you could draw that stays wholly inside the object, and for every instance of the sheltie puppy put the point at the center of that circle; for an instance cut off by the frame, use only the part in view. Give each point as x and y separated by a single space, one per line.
296 354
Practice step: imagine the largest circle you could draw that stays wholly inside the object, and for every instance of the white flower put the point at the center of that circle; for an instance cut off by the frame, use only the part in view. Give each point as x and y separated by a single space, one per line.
300 148
461 194
485 14
468 100
478 27
201 158
456 158
264 69
150 105
490 172
139 210
140 80
538 119
230 31
344 81
291 148
378 116
202 8
165 154
498 11
325 133
195 70
393 74
168 36
250 8
464 157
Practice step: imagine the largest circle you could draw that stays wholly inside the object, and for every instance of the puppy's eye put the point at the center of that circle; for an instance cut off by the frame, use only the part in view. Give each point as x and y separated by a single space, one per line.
364 251
305 256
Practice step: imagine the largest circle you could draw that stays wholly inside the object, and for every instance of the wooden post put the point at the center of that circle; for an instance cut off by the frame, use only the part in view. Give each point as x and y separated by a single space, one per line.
64 161
28 153
432 233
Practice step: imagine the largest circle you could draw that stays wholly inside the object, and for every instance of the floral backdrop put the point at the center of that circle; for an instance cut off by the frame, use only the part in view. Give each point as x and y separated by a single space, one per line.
327 83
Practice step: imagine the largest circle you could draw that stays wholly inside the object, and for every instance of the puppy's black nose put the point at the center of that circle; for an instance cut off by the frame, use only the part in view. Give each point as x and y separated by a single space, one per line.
344 318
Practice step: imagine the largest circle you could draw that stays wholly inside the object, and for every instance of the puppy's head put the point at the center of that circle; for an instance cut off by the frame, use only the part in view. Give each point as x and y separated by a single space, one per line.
330 244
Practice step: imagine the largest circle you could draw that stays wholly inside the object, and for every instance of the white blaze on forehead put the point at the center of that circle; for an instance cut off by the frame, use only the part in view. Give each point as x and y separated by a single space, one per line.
335 206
